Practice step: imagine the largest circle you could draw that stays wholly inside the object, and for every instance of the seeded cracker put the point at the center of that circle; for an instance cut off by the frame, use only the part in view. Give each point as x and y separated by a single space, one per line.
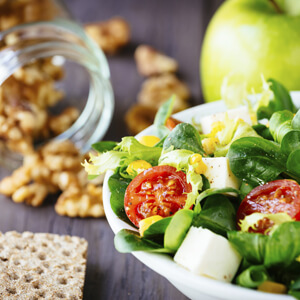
41 266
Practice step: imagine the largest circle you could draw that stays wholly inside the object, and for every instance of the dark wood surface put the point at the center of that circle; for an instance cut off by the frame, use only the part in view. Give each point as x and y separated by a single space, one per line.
175 27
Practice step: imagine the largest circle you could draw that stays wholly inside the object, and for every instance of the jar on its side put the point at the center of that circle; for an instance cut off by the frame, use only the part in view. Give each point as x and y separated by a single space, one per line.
57 37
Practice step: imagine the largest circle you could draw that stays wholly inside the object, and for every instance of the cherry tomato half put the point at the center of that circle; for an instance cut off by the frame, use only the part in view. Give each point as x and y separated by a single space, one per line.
273 197
159 190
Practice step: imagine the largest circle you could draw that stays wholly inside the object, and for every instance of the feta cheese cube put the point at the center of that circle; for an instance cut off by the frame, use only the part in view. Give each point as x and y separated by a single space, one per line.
239 112
219 174
208 254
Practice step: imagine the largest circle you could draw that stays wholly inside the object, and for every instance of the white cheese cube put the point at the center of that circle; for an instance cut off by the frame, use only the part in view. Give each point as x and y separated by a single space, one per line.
219 174
239 112
208 254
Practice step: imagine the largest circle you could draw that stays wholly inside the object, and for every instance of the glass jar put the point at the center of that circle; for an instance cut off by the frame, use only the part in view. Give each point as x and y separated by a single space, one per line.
42 34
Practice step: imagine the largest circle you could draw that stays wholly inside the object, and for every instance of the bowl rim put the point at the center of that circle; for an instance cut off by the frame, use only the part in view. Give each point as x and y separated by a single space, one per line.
163 264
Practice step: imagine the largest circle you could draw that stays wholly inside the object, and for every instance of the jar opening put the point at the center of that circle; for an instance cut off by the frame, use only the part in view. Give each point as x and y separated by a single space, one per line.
65 43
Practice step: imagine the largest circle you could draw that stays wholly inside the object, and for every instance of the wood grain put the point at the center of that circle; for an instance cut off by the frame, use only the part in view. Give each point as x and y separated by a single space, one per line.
176 28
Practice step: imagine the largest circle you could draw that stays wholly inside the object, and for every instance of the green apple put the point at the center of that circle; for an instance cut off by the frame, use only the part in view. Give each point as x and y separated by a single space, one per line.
248 38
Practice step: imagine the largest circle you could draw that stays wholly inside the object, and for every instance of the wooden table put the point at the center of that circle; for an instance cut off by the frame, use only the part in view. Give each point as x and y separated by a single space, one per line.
175 27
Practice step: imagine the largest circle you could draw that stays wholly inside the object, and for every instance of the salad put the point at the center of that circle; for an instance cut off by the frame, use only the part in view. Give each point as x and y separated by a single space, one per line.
225 188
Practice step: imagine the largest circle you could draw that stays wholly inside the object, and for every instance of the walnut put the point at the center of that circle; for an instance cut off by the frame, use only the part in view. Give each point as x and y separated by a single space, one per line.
49 170
32 194
19 178
151 62
157 90
60 123
139 117
109 35
24 101
61 156
76 202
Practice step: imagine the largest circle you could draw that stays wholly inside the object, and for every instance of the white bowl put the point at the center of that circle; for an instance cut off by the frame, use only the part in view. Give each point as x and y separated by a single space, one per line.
191 285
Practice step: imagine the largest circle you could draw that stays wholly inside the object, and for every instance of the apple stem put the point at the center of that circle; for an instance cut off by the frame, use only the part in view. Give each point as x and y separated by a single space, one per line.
276 6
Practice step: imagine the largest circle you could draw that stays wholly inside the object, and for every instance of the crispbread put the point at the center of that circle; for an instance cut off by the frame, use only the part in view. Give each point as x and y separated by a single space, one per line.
41 266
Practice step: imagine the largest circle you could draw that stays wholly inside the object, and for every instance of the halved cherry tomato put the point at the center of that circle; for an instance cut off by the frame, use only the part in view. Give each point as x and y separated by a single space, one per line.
172 122
273 197
159 190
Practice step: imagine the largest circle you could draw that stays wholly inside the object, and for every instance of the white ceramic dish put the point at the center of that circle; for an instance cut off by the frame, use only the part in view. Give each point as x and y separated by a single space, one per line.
193 286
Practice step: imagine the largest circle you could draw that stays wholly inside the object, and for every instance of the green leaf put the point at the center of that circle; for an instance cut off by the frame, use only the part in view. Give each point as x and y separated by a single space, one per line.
293 163
184 136
104 146
218 214
256 160
280 124
215 191
295 286
127 241
296 120
283 246
161 117
136 150
177 229
281 100
250 245
291 141
117 186
295 294
253 276
157 229
245 189
263 131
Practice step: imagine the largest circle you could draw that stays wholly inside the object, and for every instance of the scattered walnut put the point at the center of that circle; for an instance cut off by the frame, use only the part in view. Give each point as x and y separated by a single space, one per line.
32 194
151 62
76 202
139 117
110 35
56 166
61 156
157 90
19 177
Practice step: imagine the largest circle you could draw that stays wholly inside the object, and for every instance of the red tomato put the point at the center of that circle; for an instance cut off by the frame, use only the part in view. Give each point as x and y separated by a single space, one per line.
159 190
172 122
273 197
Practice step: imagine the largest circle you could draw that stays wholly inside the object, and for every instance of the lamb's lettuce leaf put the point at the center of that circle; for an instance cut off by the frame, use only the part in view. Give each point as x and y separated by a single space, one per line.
161 117
250 245
104 146
184 136
256 160
117 186
278 250
283 246
217 214
276 98
127 241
